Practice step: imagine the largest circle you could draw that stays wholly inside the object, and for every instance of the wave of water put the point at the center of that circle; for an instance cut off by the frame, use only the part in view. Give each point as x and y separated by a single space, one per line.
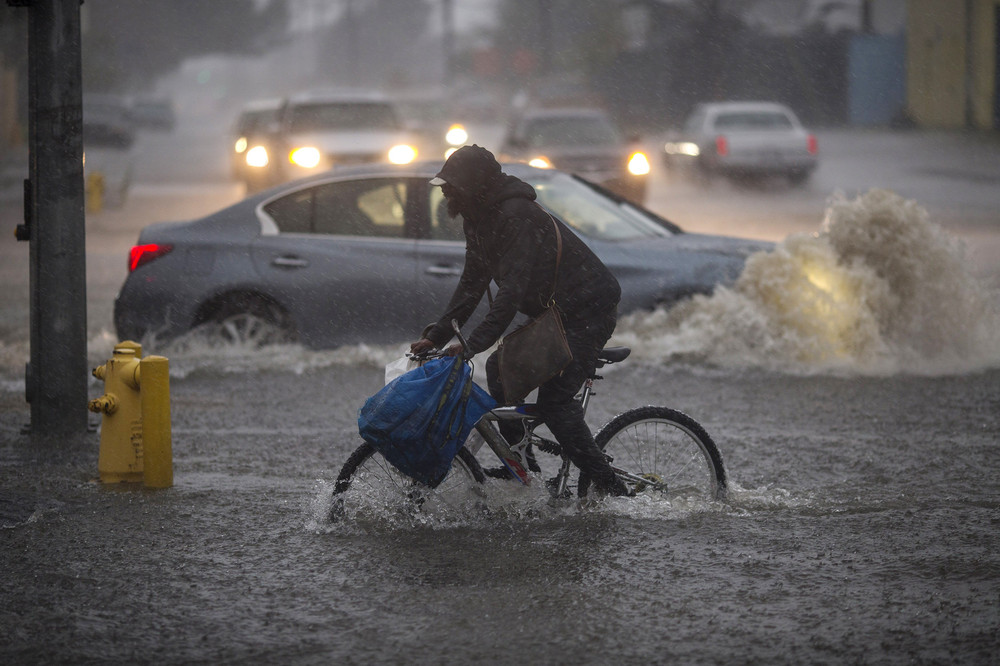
880 289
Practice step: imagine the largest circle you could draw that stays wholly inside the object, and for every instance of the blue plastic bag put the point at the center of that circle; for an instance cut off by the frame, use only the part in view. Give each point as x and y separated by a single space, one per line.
419 420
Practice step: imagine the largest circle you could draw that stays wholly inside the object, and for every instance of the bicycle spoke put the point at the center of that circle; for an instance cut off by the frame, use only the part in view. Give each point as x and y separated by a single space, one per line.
665 451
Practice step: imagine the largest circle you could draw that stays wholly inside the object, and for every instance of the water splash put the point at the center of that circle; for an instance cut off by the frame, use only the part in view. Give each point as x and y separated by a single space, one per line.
880 289
495 502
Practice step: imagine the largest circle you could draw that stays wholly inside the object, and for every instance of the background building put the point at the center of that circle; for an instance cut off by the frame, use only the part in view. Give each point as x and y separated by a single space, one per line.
953 63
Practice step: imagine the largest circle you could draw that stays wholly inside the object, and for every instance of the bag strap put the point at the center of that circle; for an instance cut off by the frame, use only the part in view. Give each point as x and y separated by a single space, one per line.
555 277
456 374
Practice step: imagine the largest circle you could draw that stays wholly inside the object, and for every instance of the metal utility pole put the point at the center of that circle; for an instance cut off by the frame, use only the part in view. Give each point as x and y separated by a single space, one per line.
56 377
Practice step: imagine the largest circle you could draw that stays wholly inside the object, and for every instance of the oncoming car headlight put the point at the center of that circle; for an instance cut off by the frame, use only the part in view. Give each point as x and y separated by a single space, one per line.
241 145
682 148
456 135
306 157
402 154
257 156
638 165
540 162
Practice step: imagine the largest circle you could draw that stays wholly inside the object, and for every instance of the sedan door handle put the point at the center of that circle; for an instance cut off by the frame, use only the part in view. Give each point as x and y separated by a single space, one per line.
444 270
289 262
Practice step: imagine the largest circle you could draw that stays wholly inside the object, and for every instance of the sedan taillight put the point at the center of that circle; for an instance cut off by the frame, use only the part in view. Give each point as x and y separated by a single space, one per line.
812 145
143 254
721 146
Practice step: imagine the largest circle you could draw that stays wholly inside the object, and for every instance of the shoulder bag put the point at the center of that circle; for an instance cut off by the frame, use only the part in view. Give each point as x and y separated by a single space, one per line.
538 351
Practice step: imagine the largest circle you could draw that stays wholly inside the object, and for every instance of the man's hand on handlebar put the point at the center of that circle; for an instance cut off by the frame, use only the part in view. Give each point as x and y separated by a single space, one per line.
422 346
453 350
425 346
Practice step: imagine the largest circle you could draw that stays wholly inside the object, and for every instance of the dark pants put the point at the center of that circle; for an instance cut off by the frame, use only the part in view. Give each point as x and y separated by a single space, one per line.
562 414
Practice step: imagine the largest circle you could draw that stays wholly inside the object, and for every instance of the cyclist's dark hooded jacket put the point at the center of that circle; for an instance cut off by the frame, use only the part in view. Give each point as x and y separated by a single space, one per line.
511 240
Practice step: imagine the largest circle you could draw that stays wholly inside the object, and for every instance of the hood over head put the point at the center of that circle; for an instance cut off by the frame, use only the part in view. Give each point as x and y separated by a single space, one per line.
470 169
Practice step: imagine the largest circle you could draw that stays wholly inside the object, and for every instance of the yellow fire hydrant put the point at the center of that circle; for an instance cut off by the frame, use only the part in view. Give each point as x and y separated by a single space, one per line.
135 426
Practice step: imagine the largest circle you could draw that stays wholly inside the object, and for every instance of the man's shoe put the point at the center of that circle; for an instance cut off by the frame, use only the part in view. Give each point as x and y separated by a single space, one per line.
619 488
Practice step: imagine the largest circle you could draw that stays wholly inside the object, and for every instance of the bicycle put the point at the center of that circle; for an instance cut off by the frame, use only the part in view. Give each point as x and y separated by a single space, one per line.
654 450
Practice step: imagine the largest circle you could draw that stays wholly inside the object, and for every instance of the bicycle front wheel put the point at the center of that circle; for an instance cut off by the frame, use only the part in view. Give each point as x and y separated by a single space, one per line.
367 480
661 450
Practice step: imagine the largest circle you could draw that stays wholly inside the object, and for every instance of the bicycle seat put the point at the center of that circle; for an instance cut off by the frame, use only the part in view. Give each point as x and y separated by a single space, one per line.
613 355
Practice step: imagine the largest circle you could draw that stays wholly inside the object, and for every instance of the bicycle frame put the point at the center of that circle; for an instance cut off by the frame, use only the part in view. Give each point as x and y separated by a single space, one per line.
513 455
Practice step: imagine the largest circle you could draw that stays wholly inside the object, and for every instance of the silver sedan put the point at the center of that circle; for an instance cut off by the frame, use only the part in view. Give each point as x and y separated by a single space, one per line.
369 254
743 139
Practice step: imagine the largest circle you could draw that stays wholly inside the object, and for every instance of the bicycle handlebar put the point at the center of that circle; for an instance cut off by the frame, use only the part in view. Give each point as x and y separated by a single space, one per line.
439 353
461 338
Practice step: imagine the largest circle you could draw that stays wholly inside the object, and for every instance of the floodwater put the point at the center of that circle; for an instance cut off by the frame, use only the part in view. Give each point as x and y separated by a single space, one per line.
851 379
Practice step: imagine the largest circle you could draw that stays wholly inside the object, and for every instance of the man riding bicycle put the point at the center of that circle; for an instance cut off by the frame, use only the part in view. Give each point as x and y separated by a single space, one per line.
511 240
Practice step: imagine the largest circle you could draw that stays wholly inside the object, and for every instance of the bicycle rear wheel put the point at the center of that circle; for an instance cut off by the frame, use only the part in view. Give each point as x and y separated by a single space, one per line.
369 480
661 450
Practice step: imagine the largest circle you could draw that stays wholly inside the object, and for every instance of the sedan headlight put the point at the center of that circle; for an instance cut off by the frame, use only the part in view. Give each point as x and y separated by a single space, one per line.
306 157
456 135
682 148
257 156
402 154
638 165
540 162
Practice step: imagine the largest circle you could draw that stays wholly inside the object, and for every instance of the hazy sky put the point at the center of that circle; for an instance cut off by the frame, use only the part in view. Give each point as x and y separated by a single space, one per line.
469 14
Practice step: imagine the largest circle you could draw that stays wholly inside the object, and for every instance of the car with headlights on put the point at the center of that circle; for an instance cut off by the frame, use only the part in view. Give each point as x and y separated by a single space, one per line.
317 131
369 254
743 140
251 137
580 140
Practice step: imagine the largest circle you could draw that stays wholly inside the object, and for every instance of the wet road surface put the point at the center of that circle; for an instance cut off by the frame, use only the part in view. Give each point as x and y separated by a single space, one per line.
862 527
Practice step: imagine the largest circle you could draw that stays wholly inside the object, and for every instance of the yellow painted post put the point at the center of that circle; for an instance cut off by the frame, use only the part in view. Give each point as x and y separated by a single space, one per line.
95 192
156 441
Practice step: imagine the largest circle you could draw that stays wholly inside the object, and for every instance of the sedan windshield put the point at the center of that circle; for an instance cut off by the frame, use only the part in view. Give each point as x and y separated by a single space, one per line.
570 132
350 116
593 214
